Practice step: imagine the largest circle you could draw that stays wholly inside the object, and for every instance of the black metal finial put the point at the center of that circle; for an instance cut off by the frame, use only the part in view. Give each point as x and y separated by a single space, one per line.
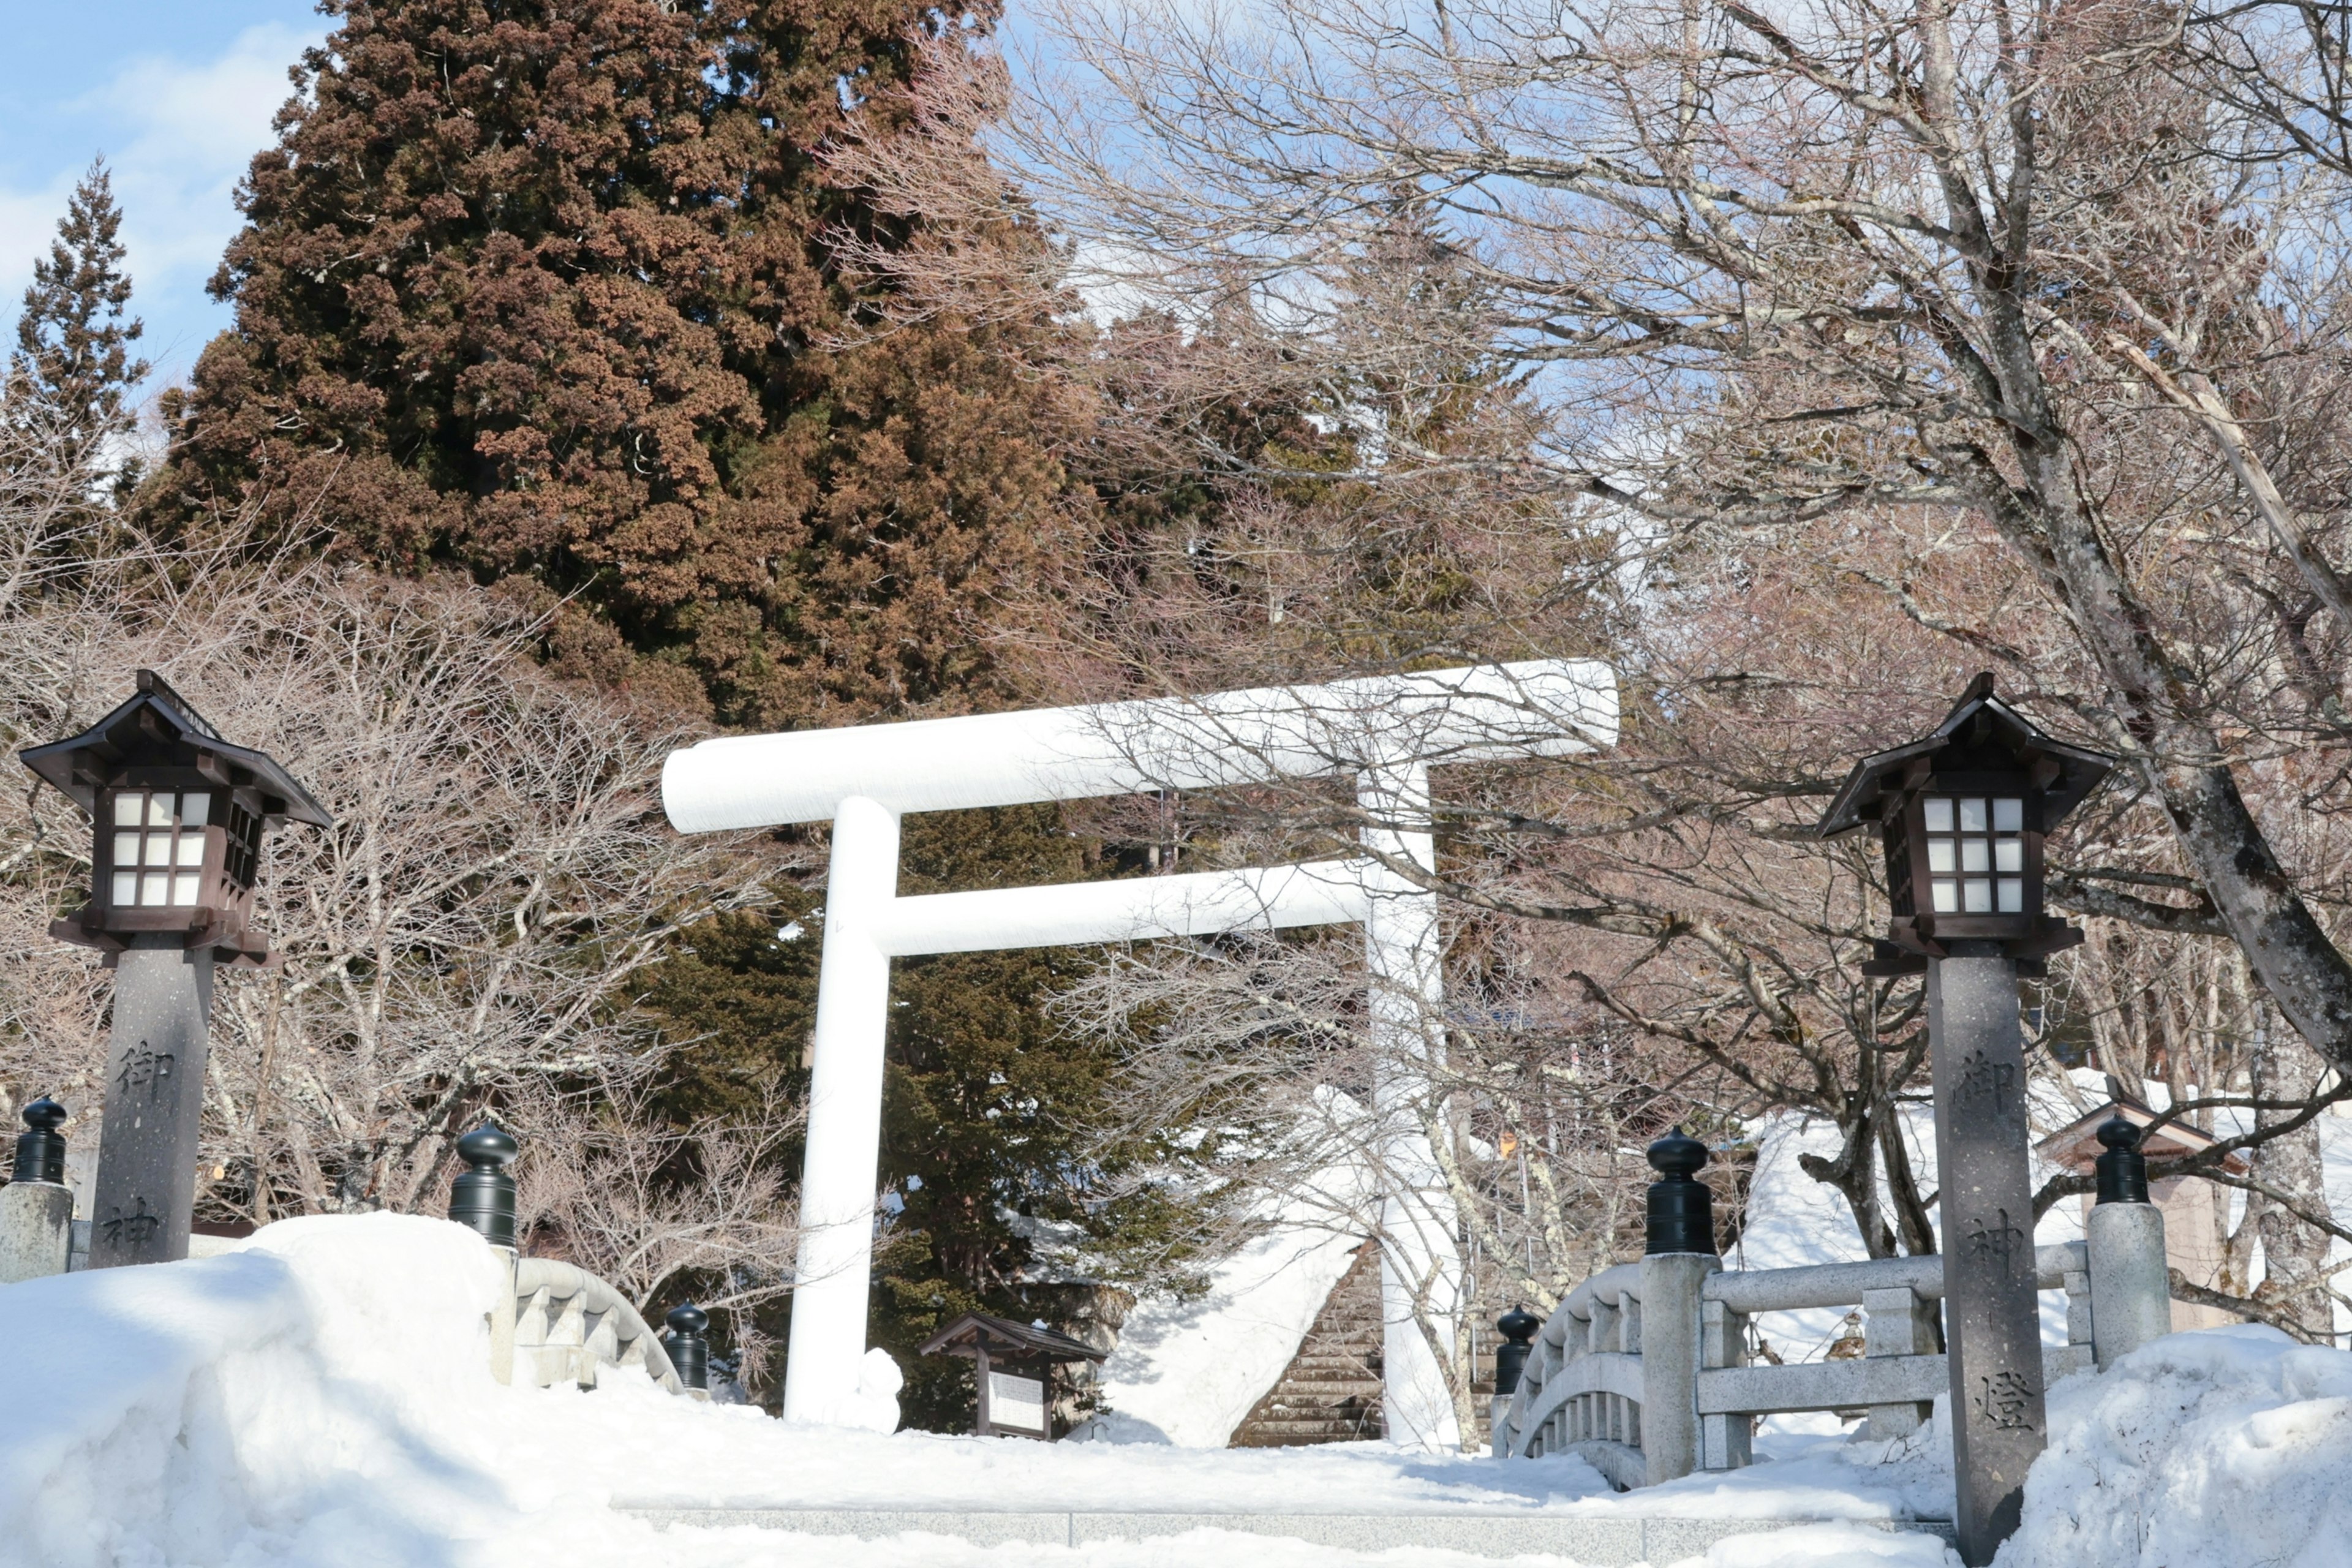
1682 1211
41 1148
482 1198
1518 1328
689 1352
2123 1169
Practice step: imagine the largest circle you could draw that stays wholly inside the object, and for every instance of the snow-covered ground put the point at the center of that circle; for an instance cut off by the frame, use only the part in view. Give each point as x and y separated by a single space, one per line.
321 1397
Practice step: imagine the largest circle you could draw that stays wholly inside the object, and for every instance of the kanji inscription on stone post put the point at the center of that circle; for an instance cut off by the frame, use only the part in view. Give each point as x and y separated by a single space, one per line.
1992 1317
155 1102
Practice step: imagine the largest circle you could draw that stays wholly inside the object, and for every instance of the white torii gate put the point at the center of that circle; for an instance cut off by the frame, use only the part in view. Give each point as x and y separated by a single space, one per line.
1387 732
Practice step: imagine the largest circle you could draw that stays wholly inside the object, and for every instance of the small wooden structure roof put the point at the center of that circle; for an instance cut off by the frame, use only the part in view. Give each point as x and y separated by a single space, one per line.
2076 1144
976 1333
1981 734
159 727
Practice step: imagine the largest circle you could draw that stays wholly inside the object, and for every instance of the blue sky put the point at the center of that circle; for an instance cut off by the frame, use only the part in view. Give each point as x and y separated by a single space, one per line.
178 95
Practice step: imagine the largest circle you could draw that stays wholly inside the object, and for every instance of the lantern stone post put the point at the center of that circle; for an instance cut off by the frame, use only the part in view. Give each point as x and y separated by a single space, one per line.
177 819
1992 1319
1961 815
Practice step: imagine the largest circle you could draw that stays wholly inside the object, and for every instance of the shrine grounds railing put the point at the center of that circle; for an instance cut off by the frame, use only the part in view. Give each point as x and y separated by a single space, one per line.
1587 1381
1643 1370
563 1324
555 1321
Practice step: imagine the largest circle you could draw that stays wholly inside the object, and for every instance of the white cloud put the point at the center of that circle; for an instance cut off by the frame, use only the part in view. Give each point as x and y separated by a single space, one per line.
178 134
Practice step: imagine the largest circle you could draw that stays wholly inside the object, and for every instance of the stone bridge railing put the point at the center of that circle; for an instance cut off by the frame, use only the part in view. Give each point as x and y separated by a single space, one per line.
1587 1381
563 1324
556 1323
1642 1369
553 1322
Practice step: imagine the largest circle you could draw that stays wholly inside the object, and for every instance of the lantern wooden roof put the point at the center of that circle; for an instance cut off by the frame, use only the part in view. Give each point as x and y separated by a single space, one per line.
1981 734
159 727
2076 1144
976 1331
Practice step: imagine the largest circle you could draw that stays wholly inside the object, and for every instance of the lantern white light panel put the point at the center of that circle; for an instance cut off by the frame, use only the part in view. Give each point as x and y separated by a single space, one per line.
159 849
1976 854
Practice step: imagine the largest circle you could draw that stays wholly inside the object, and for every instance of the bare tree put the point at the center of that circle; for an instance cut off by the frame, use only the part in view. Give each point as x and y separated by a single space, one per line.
1864 349
663 1211
466 938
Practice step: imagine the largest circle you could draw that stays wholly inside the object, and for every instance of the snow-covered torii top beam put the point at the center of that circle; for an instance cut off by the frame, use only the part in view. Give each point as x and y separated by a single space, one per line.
1543 708
1387 729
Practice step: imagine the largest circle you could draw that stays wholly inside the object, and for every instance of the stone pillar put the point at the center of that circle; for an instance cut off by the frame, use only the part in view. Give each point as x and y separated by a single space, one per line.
1678 1254
35 1230
1671 1282
1990 1307
2131 1289
36 1206
155 1104
503 1308
1421 1263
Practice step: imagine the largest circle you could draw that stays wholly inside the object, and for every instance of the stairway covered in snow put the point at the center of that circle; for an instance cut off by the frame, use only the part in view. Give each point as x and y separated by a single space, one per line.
1330 1391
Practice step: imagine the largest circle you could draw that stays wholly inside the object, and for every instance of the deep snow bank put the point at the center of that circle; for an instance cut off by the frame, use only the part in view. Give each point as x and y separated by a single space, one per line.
2226 1447
269 1400
321 1397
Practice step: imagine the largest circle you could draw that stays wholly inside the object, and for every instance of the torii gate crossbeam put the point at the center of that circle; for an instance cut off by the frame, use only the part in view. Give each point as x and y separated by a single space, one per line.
1385 730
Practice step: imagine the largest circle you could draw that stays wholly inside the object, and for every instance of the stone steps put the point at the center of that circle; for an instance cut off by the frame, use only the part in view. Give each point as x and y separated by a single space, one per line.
1330 1391
1589 1540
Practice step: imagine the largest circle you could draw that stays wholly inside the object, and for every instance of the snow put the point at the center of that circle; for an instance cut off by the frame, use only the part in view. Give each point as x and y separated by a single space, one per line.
321 1397
2226 1446
1186 1373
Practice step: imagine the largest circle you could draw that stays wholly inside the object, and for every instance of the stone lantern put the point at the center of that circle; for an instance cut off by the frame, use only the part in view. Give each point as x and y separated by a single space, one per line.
177 819
1962 813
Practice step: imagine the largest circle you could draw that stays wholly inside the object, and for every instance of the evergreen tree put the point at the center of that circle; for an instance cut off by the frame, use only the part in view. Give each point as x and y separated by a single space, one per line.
71 367
542 287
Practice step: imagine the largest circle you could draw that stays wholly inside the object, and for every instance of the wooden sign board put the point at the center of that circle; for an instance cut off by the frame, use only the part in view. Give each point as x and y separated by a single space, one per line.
1016 1404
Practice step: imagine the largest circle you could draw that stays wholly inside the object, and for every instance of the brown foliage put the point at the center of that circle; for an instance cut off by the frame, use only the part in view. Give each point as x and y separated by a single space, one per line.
546 291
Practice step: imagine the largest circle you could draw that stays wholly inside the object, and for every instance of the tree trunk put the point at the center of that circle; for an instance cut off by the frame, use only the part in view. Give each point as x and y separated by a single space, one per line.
2295 1254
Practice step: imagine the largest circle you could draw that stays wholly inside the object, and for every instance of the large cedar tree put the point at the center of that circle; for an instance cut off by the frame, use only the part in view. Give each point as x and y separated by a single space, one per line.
544 287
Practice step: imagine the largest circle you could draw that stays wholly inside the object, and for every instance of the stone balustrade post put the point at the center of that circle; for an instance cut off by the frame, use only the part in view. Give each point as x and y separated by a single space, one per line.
2131 1281
1897 1323
1518 1328
1678 1255
482 1198
1725 1442
36 1206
